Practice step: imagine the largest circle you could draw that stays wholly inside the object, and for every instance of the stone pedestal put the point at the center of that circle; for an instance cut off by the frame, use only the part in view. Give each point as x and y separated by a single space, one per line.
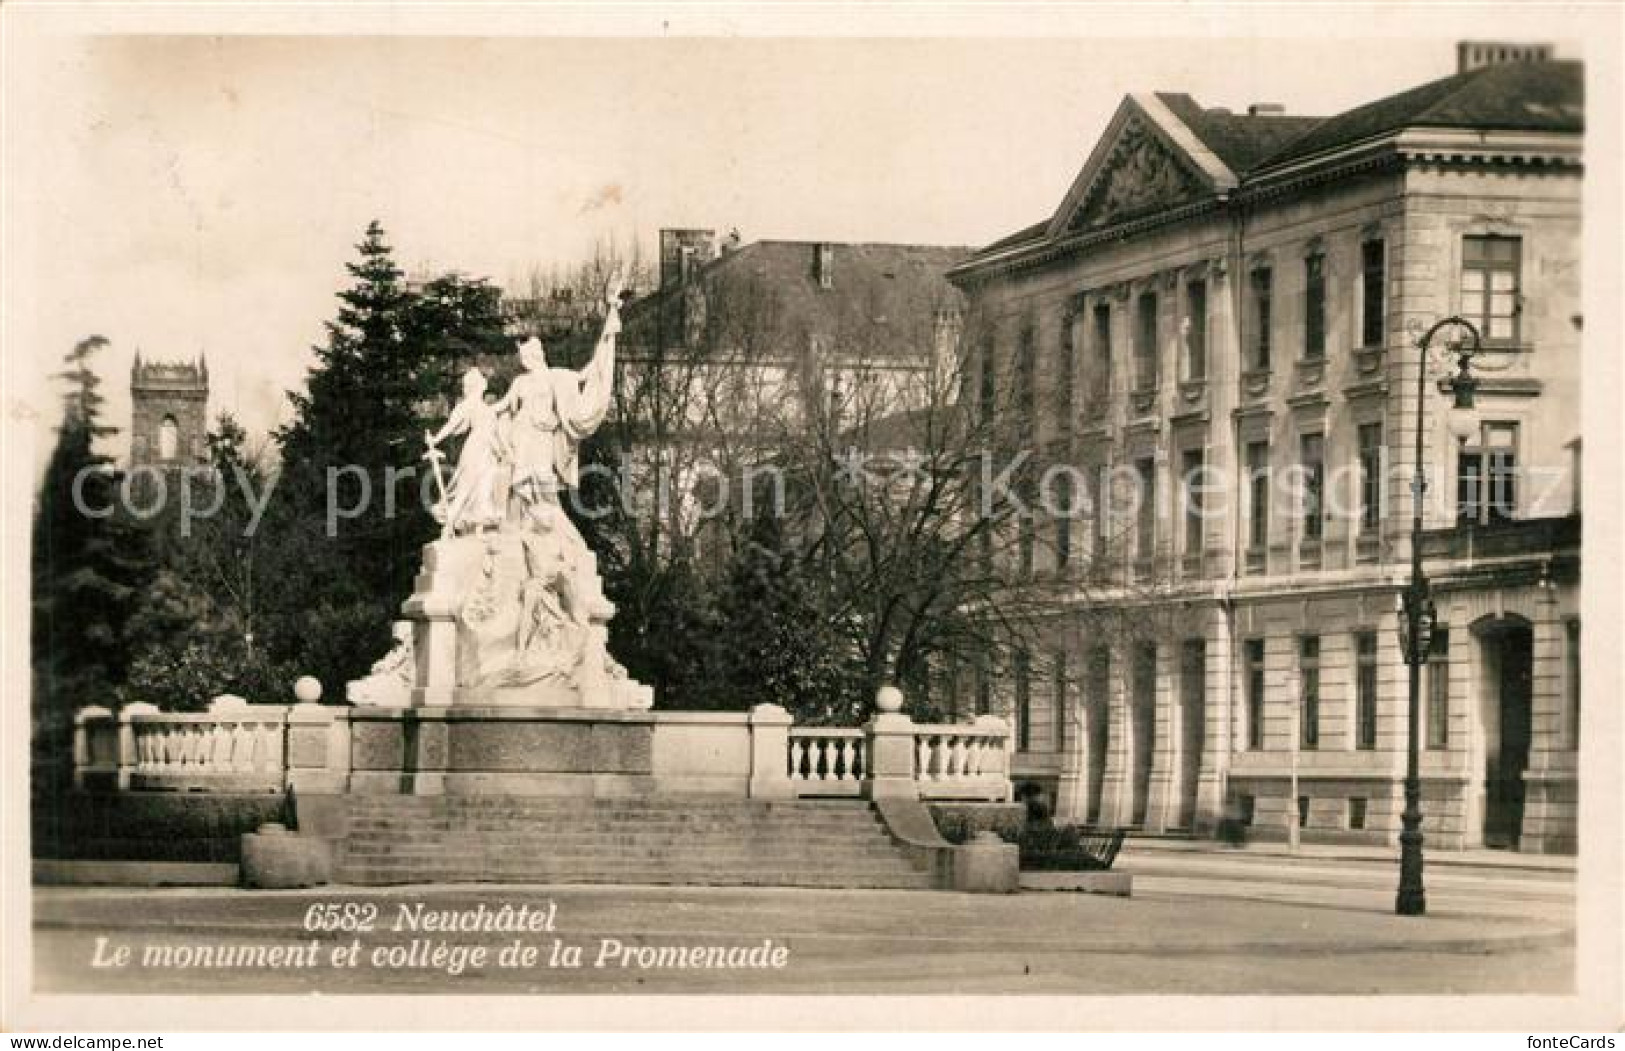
506 750
987 865
515 618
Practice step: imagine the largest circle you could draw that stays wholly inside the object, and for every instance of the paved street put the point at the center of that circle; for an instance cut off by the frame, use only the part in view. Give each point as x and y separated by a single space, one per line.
1199 922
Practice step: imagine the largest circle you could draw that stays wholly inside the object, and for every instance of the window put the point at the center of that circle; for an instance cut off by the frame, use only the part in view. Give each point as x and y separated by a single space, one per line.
1145 342
1145 533
1303 811
1024 701
1248 806
1314 307
1196 330
1103 353
1486 476
1370 442
1490 296
1309 691
1100 479
1025 384
1193 680
1258 487
1373 289
988 386
1438 735
1365 690
1572 667
1312 462
168 438
1262 281
1357 805
1064 376
1063 519
1191 474
1253 662
1062 697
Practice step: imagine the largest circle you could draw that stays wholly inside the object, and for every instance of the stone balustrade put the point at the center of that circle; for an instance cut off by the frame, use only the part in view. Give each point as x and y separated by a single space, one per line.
240 747
826 761
963 761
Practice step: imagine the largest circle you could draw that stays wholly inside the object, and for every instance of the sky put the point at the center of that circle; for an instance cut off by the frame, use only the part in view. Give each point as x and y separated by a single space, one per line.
197 194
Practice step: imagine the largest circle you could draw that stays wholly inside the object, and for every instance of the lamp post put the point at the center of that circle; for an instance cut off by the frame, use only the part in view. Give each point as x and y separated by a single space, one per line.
1417 614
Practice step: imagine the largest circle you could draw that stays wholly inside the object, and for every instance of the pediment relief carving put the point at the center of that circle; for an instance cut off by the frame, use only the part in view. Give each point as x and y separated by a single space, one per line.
1142 175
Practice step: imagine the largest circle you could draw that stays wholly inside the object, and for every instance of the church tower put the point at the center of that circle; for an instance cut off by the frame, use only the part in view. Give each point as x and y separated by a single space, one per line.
169 413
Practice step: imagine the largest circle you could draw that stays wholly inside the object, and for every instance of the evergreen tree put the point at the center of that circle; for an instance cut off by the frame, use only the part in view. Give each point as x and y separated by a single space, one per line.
384 376
89 562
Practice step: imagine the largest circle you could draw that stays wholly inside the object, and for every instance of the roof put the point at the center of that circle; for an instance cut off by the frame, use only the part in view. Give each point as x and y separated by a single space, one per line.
1521 96
897 287
1242 141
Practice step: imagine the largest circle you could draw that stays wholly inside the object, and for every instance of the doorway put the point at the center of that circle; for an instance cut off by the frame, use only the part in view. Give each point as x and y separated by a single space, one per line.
1098 729
1509 653
1192 718
1143 703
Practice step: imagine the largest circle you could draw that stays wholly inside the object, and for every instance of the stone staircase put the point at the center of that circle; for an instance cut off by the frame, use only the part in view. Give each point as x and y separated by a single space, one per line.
694 841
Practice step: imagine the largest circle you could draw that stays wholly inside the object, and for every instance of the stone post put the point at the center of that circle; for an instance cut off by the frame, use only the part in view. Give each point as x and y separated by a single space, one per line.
890 749
81 740
769 751
318 752
127 758
432 609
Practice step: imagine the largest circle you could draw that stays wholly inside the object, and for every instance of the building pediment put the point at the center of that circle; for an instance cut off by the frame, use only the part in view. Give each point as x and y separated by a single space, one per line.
1146 163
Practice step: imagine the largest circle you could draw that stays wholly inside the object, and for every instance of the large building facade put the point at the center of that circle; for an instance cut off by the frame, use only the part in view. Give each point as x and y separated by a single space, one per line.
1224 313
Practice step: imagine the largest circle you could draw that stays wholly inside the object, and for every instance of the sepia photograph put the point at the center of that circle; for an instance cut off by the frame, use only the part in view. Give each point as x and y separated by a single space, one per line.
598 512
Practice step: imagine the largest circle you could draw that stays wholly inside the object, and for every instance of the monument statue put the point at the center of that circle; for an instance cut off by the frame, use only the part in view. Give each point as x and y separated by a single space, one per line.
389 685
509 609
477 496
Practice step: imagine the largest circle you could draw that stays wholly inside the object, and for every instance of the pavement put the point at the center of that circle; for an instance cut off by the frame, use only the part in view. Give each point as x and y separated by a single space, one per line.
1200 921
1448 859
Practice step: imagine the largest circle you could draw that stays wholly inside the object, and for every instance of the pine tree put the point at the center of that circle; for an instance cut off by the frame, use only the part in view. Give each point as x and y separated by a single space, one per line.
89 562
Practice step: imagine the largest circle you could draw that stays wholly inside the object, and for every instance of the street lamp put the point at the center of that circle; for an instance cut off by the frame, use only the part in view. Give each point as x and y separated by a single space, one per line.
1417 614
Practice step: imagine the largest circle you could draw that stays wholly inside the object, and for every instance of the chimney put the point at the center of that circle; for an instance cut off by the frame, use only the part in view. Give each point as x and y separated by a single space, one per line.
1476 54
1266 109
824 265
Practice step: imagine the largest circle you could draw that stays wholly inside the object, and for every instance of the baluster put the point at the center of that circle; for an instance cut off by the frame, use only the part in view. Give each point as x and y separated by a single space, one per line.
240 757
826 758
219 748
265 741
860 765
798 755
246 753
922 756
978 756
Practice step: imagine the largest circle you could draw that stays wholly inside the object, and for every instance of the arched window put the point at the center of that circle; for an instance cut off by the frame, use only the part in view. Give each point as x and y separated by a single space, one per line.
168 438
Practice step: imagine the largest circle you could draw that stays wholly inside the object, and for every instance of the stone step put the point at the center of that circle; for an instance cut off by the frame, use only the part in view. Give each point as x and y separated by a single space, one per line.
577 804
714 841
731 879
745 851
615 828
564 868
566 873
